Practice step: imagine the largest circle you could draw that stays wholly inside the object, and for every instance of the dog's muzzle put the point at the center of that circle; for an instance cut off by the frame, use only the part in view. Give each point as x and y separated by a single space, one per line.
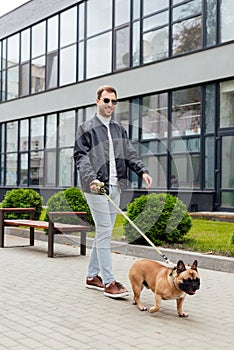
190 286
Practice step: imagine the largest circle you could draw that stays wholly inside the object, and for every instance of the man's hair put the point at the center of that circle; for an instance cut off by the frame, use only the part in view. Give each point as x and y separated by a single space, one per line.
107 88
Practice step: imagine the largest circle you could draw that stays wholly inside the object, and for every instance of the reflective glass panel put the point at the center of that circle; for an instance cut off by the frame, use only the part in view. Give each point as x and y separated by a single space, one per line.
24 79
13 82
25 45
23 163
136 43
36 168
227 104
11 169
158 170
38 39
66 167
52 70
37 134
136 8
122 114
81 62
187 35
81 21
209 162
211 22
68 65
122 12
156 21
150 6
68 26
227 175
155 45
100 48
38 75
191 8
122 59
186 112
23 141
66 129
52 34
102 22
13 50
12 137
50 168
154 116
210 108
227 20
51 131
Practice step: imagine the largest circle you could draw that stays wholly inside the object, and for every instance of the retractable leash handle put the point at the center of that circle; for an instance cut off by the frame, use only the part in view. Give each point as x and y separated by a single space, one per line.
101 190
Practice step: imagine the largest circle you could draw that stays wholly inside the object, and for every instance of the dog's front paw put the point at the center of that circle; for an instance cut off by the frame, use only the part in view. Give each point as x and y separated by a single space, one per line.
182 315
142 308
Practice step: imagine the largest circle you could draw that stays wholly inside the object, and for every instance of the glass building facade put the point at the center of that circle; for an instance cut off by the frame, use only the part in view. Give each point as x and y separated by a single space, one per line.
182 124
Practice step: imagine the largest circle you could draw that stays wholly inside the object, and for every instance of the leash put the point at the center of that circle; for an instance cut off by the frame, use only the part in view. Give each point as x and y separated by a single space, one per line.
101 190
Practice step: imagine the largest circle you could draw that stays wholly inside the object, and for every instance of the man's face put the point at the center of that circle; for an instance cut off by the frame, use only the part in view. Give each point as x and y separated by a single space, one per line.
106 109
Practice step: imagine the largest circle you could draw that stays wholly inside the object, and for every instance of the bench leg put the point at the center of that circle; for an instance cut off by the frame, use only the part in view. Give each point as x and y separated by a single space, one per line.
31 236
83 243
1 229
51 240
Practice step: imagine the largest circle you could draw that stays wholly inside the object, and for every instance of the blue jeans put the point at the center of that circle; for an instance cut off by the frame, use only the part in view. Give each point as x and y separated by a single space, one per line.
104 215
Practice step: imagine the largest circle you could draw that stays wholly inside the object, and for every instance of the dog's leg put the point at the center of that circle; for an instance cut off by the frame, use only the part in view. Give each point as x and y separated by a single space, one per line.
157 305
179 302
136 299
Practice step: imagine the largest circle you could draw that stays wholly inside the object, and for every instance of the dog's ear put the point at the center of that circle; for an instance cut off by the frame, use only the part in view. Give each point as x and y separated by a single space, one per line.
194 265
180 267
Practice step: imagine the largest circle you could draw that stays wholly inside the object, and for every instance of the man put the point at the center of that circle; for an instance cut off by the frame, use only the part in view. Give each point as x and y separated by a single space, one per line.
103 153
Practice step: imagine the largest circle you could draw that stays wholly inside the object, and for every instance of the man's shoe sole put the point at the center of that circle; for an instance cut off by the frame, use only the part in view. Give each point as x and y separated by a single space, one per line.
90 286
120 295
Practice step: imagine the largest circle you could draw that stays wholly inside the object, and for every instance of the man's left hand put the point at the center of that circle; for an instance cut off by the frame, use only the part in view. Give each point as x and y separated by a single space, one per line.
147 179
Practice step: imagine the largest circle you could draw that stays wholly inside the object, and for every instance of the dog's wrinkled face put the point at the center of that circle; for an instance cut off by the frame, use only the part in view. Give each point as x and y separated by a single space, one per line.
188 279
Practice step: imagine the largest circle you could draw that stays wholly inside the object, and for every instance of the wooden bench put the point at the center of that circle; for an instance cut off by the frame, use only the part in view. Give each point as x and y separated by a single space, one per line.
52 226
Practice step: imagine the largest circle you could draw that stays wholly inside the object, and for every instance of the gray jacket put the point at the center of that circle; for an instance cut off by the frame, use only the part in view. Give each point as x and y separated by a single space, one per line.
91 153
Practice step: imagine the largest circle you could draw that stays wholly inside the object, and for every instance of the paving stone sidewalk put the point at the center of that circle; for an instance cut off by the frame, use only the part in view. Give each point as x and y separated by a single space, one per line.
45 306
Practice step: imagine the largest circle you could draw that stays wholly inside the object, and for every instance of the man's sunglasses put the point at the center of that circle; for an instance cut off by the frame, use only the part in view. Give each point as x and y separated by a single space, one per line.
107 100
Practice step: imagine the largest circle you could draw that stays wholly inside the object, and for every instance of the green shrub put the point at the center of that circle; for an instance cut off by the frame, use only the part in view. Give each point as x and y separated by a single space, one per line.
71 199
22 198
162 217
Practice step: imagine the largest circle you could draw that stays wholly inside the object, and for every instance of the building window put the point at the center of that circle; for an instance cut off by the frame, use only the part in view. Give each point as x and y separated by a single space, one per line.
227 171
155 32
101 22
209 162
186 112
154 116
67 69
227 20
227 104
187 27
122 48
36 151
99 53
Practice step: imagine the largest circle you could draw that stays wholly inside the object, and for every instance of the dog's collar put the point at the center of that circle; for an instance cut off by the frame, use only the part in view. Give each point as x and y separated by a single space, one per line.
173 278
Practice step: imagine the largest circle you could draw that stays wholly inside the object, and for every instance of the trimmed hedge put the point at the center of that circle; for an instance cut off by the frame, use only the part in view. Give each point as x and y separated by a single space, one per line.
22 198
71 199
162 217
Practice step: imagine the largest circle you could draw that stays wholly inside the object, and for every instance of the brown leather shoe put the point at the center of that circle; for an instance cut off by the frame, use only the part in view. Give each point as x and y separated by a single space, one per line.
95 283
115 290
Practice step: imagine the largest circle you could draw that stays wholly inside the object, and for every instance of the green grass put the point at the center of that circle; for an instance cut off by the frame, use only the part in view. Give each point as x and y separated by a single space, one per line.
205 236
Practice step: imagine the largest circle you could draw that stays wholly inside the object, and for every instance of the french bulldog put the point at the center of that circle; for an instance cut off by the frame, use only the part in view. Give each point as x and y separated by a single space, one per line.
166 283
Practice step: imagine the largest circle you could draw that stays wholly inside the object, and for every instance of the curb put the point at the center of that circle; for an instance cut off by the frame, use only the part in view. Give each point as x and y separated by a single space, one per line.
210 262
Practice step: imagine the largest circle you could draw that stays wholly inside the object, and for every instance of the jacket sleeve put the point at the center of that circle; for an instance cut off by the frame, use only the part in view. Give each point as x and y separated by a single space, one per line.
82 151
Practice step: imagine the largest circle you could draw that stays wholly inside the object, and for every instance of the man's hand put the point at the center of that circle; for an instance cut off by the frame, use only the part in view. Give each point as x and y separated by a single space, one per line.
95 185
147 179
